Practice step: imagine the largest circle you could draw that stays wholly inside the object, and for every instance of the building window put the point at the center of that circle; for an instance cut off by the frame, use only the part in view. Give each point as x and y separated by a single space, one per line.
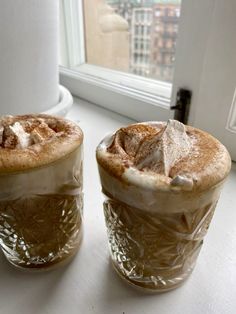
142 16
157 12
142 30
175 28
177 12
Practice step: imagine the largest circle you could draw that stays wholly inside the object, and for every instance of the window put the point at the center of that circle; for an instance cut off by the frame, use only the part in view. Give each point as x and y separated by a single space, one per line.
169 43
138 16
142 16
175 28
142 30
166 11
100 42
177 12
111 30
157 12
146 59
149 17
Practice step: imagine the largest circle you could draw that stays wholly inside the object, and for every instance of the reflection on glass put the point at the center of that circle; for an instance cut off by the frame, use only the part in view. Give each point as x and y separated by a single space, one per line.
136 36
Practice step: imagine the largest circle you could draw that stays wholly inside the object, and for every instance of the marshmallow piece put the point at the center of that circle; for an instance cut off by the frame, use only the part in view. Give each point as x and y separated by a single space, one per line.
29 126
18 138
184 182
9 138
42 133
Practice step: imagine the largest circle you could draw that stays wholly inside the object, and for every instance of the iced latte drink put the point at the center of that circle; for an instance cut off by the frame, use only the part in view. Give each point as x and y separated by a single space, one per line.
162 182
41 190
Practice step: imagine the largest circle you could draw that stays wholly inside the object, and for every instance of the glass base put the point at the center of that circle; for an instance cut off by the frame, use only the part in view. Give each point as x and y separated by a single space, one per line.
48 266
39 232
146 288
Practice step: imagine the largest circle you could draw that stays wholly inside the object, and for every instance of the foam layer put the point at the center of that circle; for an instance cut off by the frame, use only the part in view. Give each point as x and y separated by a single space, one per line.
164 156
31 141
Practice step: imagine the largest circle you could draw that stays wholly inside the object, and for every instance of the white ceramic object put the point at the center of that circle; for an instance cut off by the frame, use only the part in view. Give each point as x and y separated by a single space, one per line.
64 104
29 73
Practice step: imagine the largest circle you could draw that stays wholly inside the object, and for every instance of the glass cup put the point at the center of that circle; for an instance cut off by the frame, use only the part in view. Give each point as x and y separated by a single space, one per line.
41 205
154 234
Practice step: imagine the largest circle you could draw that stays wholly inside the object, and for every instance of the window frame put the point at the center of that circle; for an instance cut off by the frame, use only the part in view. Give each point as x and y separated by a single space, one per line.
72 32
138 97
109 92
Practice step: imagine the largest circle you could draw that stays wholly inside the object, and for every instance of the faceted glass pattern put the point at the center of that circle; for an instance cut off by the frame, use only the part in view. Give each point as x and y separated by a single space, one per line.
41 230
41 213
152 250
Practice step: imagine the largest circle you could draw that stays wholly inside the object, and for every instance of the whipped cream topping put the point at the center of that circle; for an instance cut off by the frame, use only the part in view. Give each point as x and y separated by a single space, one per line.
160 152
164 156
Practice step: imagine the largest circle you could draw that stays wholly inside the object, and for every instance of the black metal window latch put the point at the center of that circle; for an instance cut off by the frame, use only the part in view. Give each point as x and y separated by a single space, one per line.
182 105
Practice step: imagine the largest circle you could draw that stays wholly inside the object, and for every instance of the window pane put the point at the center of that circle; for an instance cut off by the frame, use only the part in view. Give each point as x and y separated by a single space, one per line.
135 36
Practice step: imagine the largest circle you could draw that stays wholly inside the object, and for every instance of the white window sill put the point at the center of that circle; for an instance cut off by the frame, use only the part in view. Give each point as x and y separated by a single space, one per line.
89 285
